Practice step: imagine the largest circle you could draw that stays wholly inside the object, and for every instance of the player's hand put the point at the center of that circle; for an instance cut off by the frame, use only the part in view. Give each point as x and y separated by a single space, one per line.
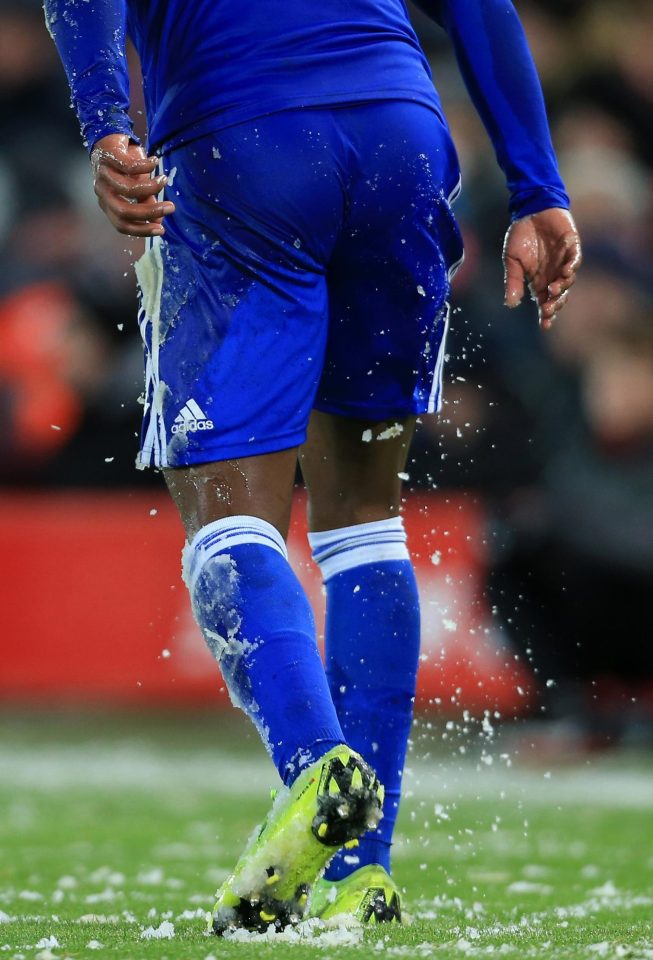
126 189
544 251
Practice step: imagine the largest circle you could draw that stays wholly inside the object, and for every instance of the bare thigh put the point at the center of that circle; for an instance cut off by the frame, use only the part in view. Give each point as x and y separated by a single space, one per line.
351 469
252 486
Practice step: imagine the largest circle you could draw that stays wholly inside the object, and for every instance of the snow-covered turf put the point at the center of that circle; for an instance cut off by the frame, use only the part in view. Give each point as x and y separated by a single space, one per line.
132 765
115 833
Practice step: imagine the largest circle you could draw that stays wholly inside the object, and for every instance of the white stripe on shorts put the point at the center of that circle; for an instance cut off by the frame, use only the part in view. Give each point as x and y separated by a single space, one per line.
149 272
435 397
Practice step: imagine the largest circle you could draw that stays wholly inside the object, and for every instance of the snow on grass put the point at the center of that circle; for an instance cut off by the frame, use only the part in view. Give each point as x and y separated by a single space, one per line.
165 931
317 933
516 864
47 942
527 886
138 766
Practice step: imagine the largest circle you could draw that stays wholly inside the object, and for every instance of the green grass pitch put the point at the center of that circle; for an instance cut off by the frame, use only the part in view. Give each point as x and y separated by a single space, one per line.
114 831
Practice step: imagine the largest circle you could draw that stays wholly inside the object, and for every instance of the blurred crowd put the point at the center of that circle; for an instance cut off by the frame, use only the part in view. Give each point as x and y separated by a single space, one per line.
554 432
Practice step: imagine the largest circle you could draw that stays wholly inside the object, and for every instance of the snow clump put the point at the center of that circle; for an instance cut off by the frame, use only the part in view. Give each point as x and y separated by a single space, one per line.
165 931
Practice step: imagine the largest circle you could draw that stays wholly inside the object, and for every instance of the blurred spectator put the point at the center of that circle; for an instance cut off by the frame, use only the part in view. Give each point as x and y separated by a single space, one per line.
555 432
70 356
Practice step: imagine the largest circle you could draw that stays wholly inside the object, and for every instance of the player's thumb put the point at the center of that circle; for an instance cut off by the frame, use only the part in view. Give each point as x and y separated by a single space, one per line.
513 277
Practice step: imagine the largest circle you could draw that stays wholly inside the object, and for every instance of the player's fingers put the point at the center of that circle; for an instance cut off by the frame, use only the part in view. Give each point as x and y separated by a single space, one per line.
141 230
128 187
560 302
550 308
142 213
561 285
134 210
133 213
152 228
539 290
125 163
573 257
513 282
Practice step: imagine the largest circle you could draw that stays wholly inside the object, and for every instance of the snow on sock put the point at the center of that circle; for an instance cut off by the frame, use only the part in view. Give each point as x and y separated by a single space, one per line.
259 626
372 653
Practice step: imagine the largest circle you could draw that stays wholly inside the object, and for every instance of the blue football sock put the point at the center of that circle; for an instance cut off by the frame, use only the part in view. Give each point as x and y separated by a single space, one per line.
372 654
259 626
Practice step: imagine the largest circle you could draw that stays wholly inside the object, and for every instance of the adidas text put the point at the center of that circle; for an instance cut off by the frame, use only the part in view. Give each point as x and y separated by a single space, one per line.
191 418
192 426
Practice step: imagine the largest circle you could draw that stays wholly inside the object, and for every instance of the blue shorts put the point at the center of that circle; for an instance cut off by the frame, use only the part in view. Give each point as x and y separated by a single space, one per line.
307 266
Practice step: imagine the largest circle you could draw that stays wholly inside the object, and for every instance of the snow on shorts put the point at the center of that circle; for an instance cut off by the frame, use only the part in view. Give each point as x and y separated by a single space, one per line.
307 266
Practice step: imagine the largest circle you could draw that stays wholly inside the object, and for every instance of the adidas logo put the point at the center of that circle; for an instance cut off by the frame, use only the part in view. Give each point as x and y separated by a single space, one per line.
191 418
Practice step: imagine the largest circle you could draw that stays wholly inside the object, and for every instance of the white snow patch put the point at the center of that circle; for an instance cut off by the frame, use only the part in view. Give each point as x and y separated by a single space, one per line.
527 886
618 950
107 875
394 430
339 931
199 913
102 918
165 931
608 890
104 896
67 883
151 878
46 942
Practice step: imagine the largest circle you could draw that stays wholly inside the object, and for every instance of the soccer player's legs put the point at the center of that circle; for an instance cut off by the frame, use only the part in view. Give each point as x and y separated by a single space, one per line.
234 320
259 625
372 637
253 612
388 287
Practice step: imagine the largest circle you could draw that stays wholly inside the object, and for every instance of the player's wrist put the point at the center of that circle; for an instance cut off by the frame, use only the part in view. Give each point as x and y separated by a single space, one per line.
534 200
93 137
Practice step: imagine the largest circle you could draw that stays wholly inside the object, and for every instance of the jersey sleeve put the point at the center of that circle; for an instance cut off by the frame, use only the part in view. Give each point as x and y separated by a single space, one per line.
499 73
90 37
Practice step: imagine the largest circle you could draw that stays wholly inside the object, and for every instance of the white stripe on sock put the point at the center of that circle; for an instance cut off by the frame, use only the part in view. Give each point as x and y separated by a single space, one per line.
335 551
220 535
325 537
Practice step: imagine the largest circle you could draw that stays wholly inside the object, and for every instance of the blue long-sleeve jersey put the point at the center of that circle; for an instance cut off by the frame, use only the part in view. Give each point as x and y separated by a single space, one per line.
209 64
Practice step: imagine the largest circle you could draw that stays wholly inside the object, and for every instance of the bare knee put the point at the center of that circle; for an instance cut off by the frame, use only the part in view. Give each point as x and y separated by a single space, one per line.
254 486
352 470
332 516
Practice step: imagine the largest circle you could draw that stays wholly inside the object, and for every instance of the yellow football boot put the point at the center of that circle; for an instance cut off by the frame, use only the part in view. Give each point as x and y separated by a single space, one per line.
332 802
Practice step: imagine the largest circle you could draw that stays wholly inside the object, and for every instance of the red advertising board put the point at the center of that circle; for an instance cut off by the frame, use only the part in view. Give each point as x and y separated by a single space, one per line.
94 610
